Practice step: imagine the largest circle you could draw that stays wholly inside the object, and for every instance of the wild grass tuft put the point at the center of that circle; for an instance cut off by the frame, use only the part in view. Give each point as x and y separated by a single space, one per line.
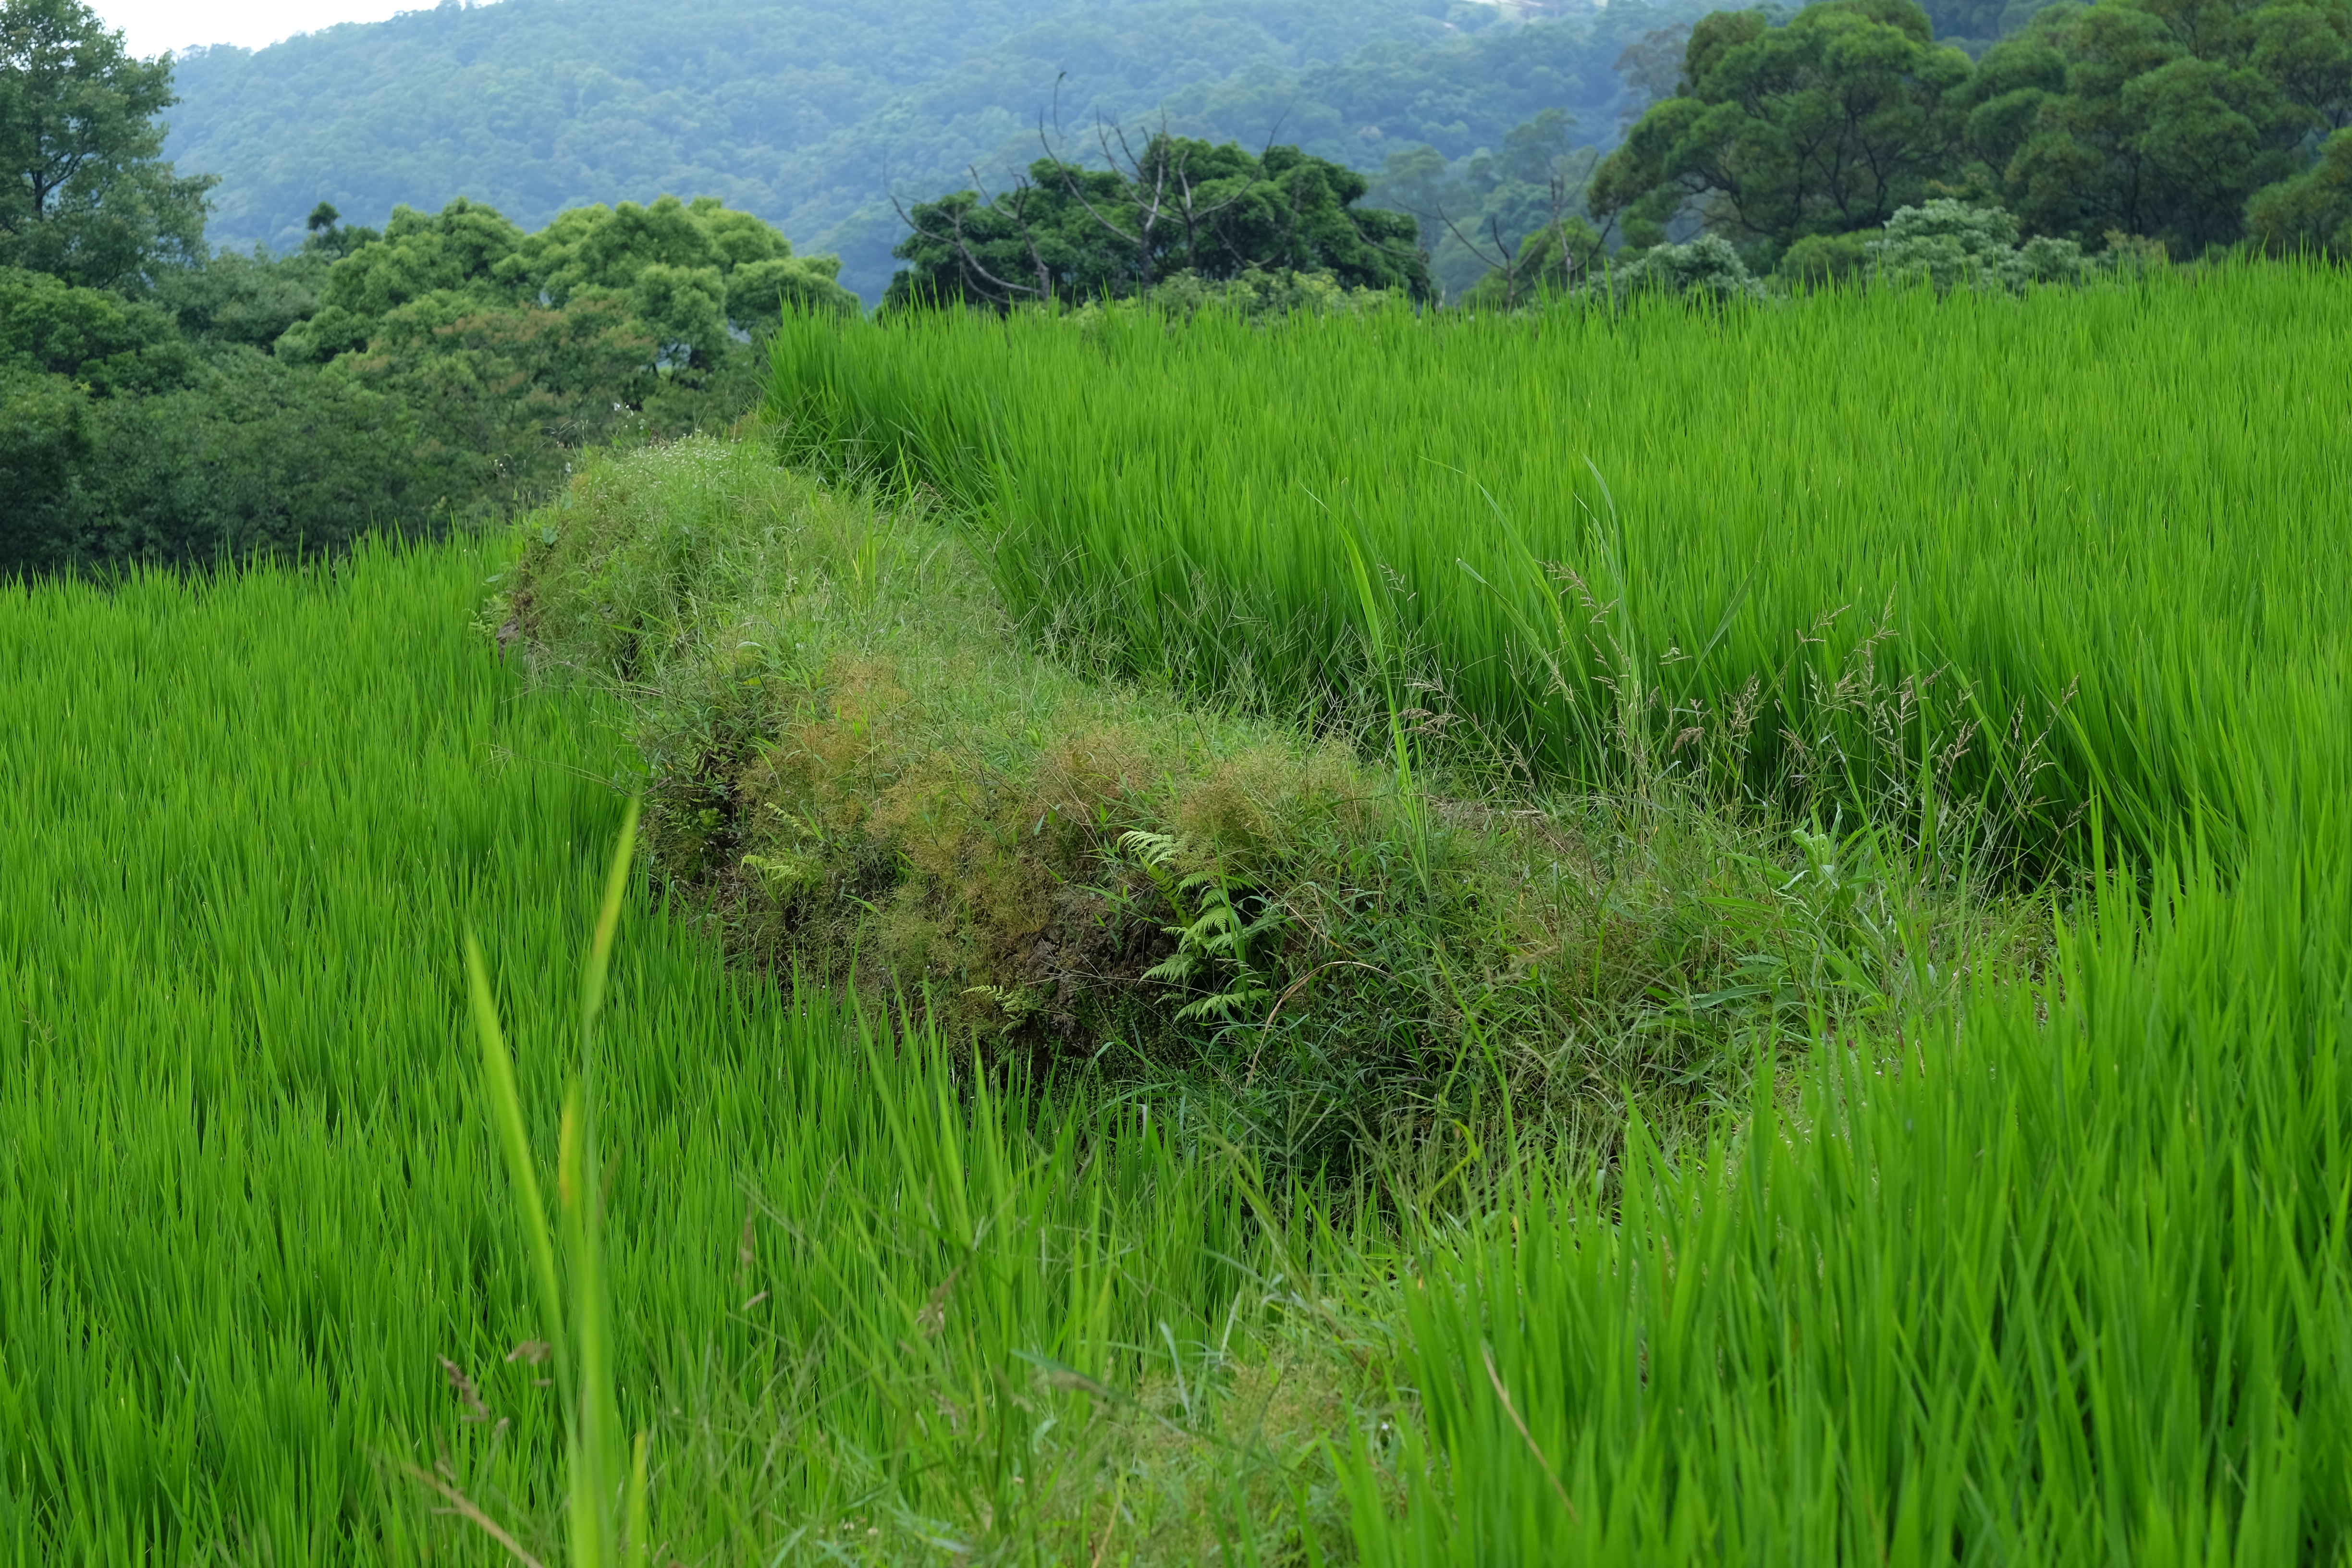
865 776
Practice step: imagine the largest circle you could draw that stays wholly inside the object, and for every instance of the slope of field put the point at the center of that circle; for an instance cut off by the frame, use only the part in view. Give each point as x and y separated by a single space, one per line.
812 114
2112 518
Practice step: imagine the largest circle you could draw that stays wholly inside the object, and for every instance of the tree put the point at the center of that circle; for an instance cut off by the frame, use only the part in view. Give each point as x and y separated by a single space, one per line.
2159 118
101 343
1563 254
2311 211
1071 233
504 391
1824 126
690 271
1477 220
1652 68
1707 270
1949 244
89 197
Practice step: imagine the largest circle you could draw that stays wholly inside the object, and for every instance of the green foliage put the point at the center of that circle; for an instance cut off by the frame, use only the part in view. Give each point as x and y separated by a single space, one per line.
1919 1260
1254 295
251 299
812 115
505 394
1823 259
686 272
2154 120
689 271
134 444
2047 1266
863 775
105 345
1073 233
2159 118
251 455
1975 24
2311 211
282 1272
439 373
1825 125
1708 269
1483 216
45 442
606 1518
1948 244
84 191
1560 256
451 251
1887 519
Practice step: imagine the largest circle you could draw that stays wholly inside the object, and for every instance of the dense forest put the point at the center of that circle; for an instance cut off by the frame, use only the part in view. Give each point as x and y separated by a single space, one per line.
169 396
815 115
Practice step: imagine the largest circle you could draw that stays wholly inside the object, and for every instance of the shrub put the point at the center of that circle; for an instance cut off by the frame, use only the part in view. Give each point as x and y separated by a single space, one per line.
1950 243
1707 269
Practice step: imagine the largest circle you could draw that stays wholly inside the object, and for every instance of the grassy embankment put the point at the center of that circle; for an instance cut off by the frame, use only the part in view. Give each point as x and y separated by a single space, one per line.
861 772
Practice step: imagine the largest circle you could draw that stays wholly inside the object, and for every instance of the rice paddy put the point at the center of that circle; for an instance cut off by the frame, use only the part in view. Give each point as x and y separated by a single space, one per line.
2046 1266
2106 519
261 1257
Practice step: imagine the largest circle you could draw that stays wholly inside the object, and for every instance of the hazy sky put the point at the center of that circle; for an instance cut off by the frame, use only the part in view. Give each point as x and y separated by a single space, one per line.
150 26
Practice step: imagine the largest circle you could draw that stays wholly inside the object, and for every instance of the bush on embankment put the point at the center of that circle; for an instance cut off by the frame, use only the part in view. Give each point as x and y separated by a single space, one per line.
862 769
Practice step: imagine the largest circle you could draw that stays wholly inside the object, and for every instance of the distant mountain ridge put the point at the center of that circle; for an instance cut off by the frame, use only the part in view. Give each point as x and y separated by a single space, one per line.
812 114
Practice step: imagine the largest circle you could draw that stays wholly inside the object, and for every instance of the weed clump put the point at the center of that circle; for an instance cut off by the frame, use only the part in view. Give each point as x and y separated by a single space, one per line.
861 772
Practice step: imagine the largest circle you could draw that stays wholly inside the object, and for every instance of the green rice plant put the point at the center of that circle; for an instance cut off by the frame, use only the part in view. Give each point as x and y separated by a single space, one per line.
259 1241
592 1446
2065 1281
2056 1276
1891 550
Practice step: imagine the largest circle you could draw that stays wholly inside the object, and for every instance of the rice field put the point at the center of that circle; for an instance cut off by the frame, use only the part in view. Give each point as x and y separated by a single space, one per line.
1817 543
2058 1274
259 1256
2055 1276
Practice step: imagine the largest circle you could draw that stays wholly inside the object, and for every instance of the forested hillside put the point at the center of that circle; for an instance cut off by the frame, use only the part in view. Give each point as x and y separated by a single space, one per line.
812 114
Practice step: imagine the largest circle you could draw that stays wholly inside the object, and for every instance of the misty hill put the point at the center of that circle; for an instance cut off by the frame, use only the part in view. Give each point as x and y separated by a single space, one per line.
812 114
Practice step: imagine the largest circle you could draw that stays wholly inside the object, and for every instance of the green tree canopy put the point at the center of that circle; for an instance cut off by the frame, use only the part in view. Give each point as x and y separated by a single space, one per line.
2172 120
2159 118
1828 124
691 270
103 342
1476 217
686 271
1178 206
2312 211
88 196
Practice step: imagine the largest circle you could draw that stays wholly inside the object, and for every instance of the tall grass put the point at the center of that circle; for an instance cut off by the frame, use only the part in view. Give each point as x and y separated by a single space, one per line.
257 1255
1814 547
2042 1289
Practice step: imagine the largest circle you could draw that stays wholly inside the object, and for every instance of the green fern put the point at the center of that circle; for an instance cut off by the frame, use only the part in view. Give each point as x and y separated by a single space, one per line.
1214 933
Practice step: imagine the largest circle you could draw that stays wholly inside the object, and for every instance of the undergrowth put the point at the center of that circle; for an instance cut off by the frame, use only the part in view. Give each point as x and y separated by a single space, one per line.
861 771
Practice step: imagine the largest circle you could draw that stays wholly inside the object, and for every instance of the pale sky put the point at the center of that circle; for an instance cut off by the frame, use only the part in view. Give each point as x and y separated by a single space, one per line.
150 26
